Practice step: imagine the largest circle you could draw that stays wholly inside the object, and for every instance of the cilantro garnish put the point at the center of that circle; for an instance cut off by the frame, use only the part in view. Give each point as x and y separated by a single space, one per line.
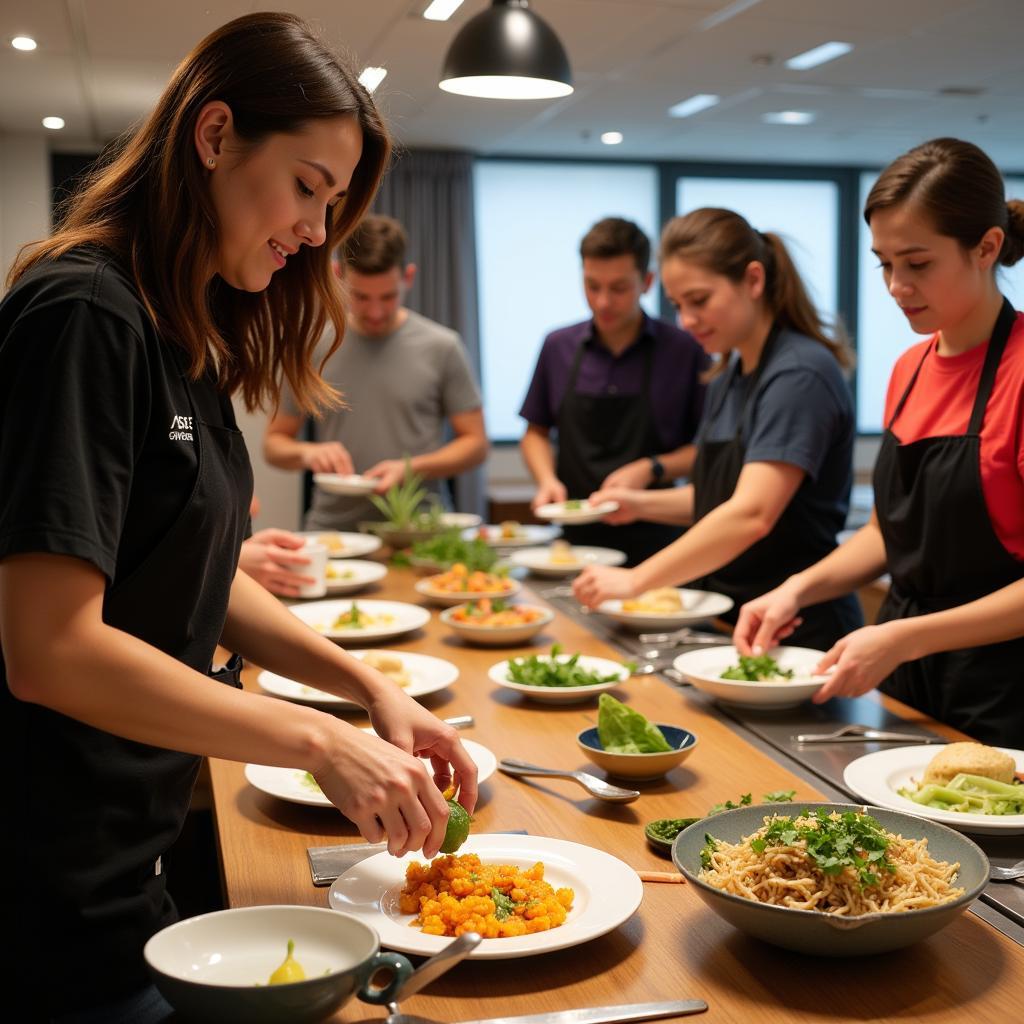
504 906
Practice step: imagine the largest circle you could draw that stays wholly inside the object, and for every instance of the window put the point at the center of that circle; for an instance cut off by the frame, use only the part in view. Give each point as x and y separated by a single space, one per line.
1011 279
530 217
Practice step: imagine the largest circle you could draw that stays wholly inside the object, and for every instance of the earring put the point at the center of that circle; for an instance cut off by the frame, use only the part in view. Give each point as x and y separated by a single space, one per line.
211 162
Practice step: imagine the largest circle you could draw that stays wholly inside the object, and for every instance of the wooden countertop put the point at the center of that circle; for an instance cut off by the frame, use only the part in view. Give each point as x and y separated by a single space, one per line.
674 946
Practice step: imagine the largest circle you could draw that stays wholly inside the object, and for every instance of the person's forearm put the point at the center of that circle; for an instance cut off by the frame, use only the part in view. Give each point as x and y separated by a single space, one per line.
853 564
679 463
716 540
671 505
991 619
283 451
458 455
539 457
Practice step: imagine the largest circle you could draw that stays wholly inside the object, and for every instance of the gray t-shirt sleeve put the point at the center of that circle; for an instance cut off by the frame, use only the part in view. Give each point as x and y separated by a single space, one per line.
795 421
459 392
288 406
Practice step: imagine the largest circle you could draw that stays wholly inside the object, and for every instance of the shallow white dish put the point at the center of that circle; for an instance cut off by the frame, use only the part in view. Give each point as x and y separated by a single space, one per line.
429 674
564 694
344 483
527 535
586 513
352 575
448 599
877 777
698 605
345 545
497 636
607 893
292 785
704 668
401 618
538 560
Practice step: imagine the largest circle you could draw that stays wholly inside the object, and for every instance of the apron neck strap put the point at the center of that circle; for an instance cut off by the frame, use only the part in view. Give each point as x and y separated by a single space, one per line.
766 352
996 347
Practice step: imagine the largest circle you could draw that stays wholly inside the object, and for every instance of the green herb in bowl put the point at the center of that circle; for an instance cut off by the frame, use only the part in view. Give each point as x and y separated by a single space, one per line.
449 548
760 669
555 671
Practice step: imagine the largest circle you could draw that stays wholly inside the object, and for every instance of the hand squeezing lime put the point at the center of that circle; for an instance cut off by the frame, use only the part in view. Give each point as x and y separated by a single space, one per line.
459 821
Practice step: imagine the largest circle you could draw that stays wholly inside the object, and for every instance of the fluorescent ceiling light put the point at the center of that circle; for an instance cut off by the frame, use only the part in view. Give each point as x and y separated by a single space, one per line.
819 55
441 10
611 138
694 105
730 11
372 77
789 117
23 43
53 122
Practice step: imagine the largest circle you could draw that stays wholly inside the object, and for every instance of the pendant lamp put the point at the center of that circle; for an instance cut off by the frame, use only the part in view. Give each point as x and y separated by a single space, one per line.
507 52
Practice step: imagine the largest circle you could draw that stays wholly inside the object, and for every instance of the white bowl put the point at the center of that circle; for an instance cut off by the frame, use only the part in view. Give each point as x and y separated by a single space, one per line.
352 575
556 512
704 670
564 694
344 483
217 966
448 599
497 636
698 605
344 545
538 560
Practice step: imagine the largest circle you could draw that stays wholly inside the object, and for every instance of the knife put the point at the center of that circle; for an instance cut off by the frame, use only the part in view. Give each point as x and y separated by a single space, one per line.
604 1014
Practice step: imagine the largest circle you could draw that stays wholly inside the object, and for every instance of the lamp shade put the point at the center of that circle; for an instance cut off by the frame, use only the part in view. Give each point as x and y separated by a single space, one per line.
507 52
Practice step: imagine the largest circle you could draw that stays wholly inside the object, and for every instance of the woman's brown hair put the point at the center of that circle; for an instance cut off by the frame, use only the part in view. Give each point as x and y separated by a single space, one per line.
150 205
724 243
958 188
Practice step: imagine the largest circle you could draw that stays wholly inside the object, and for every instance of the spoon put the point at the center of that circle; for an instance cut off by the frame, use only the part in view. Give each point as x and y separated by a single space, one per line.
998 874
591 783
430 970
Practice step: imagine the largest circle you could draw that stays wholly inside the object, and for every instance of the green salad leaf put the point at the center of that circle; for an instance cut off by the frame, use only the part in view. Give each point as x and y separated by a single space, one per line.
449 547
970 794
669 828
756 669
622 730
551 671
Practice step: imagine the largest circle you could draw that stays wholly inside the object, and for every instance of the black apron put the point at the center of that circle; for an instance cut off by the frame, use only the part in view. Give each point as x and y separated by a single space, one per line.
93 856
797 540
596 435
942 552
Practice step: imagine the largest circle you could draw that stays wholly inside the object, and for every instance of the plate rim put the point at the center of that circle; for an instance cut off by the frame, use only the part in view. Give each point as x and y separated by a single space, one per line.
422 617
628 884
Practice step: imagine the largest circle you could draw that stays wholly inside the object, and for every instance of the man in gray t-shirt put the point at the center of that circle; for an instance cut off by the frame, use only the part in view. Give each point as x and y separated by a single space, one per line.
402 376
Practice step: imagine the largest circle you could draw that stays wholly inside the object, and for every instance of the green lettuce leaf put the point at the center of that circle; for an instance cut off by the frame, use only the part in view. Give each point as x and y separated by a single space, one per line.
625 731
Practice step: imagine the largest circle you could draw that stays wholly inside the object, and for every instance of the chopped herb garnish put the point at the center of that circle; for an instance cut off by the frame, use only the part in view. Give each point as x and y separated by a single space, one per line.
504 906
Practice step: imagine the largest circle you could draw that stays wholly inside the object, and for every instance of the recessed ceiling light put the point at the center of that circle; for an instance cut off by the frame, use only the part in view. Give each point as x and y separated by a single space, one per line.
53 122
23 43
789 117
819 55
372 77
611 138
694 105
441 10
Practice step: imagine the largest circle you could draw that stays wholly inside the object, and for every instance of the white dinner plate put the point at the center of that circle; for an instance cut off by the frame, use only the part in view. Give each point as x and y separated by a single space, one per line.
527 535
538 560
877 777
293 785
704 668
348 575
344 483
563 694
698 605
586 513
393 618
428 674
450 598
345 545
607 893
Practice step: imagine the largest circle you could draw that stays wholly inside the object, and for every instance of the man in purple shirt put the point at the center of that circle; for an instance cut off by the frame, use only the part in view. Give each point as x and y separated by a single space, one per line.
619 395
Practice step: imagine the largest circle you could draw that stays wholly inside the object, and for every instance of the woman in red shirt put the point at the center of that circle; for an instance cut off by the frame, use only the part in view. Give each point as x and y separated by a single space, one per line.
948 523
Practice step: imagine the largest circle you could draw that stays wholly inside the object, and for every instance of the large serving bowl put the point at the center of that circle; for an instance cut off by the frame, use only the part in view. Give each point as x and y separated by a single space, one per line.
216 967
818 933
639 767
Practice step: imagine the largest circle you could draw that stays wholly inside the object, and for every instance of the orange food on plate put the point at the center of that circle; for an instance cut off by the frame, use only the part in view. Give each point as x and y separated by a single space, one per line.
457 894
486 612
459 580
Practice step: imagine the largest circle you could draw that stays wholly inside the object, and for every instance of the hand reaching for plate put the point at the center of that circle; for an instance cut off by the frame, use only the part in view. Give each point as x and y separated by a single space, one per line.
549 493
628 502
599 583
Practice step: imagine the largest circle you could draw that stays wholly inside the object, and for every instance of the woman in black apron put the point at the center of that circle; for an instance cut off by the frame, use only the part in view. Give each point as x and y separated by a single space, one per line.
774 454
949 479
192 266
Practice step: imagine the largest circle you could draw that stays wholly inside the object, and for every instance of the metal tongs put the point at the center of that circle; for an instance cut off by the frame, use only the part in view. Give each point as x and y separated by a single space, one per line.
864 734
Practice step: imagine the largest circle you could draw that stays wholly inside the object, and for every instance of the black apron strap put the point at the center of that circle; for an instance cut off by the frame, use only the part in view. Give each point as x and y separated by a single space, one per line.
910 387
996 347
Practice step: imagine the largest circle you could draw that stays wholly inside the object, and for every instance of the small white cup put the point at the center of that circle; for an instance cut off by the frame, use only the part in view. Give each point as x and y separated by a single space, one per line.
317 568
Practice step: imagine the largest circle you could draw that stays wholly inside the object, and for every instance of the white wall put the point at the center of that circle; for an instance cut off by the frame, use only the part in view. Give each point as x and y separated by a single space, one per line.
280 492
24 195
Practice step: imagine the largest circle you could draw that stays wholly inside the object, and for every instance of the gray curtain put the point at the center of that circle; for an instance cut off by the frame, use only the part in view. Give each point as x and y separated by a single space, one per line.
431 193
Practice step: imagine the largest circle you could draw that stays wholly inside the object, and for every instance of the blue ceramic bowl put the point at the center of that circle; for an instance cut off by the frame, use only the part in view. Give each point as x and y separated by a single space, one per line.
639 766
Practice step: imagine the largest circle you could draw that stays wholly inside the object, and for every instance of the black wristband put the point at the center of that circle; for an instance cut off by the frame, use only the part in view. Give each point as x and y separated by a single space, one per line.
657 469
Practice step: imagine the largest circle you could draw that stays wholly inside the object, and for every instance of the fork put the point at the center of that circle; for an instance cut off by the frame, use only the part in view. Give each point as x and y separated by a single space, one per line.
997 874
863 734
685 635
